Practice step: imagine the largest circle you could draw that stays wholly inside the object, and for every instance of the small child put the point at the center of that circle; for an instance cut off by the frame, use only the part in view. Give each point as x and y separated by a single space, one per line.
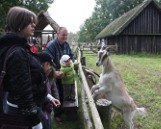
50 101
68 80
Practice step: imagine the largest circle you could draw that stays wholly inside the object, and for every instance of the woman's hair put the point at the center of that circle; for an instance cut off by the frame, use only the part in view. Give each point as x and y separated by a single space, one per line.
18 18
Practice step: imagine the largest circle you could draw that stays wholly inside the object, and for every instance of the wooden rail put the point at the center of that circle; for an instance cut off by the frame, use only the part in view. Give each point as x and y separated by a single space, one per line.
94 48
97 123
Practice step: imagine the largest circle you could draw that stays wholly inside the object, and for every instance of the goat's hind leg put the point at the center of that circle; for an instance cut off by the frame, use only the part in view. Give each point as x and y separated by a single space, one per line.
128 119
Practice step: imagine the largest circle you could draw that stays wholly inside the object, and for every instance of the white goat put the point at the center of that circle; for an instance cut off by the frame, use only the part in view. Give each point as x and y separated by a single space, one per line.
111 85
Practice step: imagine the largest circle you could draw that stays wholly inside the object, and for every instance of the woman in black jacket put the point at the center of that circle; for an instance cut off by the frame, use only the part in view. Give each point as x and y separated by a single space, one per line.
24 80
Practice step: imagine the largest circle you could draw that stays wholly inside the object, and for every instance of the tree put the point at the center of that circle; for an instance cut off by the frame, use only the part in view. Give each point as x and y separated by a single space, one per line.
96 22
72 38
83 34
105 12
34 5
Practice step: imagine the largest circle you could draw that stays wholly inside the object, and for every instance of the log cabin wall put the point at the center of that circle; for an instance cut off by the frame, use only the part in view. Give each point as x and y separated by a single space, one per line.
135 44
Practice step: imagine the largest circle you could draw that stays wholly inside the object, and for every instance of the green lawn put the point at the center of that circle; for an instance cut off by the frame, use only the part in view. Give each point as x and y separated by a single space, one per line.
141 74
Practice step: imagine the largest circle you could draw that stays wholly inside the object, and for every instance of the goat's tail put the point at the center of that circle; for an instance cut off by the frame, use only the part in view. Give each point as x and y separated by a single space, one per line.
140 112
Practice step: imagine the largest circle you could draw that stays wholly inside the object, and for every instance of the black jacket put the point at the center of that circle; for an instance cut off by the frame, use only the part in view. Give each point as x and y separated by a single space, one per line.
24 79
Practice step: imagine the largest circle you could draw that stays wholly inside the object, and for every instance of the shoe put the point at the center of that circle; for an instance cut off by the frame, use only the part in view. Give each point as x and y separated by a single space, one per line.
57 119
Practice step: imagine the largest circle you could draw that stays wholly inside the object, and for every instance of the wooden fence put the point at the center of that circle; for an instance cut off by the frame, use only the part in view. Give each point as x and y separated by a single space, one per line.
95 48
93 122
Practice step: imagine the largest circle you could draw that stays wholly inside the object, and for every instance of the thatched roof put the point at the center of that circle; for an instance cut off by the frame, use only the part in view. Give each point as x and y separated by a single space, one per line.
119 24
43 20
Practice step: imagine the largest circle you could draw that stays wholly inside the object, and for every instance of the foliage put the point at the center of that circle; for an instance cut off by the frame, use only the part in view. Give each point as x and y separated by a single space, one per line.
105 12
141 74
34 5
83 35
72 38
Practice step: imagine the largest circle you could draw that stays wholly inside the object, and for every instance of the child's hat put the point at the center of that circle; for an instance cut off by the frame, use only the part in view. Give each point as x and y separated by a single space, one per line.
45 57
63 59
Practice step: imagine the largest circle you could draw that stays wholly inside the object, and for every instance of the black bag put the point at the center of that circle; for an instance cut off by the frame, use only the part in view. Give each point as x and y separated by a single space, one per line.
10 121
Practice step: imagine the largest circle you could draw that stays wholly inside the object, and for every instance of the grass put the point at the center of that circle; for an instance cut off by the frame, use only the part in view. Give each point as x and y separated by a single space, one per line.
141 74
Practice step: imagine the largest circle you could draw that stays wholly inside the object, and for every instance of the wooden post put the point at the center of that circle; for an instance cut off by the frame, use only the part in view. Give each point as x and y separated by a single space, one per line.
104 105
83 61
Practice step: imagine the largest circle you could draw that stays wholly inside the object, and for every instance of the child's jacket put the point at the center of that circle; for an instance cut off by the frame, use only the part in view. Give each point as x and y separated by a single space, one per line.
69 74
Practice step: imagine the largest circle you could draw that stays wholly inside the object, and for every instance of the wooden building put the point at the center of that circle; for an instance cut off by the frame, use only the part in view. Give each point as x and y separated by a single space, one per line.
44 19
138 30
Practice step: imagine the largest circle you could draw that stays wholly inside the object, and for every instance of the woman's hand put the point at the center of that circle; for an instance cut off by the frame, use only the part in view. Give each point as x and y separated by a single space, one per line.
55 102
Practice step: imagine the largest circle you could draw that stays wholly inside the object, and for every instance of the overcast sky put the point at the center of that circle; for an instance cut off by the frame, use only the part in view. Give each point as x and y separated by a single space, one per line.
71 13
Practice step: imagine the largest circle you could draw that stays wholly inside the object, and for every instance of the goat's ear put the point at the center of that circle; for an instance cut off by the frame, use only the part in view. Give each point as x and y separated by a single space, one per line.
108 49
